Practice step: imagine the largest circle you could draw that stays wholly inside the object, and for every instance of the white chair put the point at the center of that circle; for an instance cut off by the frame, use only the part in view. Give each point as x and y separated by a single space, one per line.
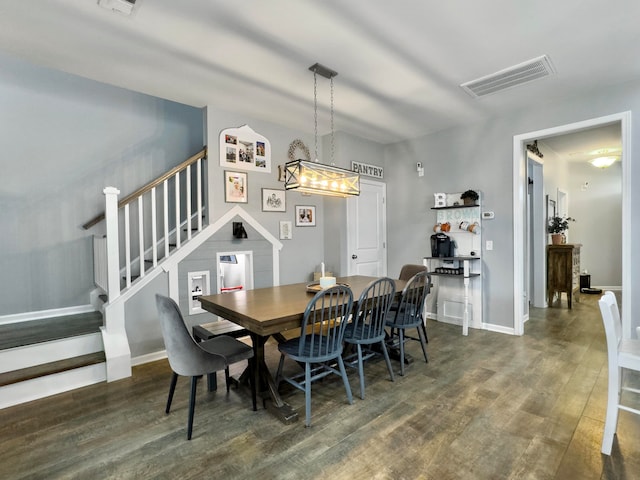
622 355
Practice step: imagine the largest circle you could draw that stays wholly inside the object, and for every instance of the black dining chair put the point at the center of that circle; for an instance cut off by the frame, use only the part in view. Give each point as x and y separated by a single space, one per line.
194 360
320 343
408 315
366 328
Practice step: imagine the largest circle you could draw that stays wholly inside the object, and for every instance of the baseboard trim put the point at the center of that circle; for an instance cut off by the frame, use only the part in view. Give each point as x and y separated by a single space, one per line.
148 358
498 328
40 314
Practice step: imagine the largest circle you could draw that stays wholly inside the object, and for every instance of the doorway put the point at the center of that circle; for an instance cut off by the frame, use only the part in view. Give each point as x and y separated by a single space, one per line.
536 234
235 271
367 230
520 225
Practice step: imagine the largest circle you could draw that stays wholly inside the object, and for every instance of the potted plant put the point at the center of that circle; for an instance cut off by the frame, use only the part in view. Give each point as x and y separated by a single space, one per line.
469 197
556 227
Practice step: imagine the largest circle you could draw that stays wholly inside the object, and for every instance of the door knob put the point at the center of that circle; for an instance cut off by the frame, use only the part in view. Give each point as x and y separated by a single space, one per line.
354 256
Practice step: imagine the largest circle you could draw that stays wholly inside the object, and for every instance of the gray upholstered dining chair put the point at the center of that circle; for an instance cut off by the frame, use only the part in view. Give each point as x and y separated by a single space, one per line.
194 360
408 315
366 328
409 270
320 343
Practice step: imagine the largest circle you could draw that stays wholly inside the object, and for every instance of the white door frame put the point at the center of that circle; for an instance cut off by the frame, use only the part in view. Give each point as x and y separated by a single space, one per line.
537 237
519 214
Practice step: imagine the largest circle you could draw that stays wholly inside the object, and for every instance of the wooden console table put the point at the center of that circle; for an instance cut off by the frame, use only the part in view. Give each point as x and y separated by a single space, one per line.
563 271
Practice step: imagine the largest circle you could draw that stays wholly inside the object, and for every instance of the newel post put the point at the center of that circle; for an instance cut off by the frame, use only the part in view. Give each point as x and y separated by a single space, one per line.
113 253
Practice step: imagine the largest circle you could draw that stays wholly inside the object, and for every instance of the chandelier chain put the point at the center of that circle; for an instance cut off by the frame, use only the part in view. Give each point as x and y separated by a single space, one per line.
332 143
315 112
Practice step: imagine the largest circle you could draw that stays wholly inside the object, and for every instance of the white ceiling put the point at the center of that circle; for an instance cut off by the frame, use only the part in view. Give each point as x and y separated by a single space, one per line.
586 145
399 63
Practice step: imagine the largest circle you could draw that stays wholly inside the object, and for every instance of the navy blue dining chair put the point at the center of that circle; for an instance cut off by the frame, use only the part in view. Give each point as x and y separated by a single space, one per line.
366 328
320 344
408 315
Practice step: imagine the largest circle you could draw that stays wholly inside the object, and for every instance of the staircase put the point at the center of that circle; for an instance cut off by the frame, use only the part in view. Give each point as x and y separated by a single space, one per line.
44 357
47 356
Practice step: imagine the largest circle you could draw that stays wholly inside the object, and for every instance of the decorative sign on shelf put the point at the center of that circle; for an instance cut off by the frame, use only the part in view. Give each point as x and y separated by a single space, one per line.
368 170
442 200
243 149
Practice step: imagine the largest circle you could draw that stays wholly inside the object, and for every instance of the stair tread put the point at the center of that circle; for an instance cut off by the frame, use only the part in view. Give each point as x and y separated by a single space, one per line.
37 331
30 373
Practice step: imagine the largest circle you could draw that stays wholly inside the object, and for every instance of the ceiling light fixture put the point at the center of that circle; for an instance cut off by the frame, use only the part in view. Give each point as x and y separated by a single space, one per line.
315 177
603 162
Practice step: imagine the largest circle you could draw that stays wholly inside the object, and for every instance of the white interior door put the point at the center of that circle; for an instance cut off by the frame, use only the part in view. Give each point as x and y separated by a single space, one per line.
367 230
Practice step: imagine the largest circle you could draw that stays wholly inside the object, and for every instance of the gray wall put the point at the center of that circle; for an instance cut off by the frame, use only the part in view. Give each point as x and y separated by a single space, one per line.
65 138
481 156
301 255
598 225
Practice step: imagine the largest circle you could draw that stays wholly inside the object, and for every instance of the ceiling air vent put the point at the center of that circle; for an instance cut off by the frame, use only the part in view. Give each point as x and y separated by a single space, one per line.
510 77
121 6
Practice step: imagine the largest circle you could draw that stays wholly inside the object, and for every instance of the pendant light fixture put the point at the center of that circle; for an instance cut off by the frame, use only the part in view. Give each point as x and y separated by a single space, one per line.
315 177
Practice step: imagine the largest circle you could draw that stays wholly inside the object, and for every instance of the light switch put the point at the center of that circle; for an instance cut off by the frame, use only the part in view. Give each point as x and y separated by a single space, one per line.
489 245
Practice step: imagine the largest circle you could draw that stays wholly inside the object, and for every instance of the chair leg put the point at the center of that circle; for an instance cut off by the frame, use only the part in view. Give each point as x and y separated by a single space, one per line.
212 381
611 419
401 335
423 343
360 371
387 360
227 377
307 394
424 330
192 406
345 380
172 388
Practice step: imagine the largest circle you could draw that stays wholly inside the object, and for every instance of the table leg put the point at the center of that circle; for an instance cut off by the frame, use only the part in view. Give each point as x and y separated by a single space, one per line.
276 405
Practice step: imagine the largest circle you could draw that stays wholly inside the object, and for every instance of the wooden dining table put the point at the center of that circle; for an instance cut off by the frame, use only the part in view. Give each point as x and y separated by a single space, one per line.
271 311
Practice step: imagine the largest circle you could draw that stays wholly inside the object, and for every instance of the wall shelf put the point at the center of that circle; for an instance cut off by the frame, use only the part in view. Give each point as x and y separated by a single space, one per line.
450 207
457 284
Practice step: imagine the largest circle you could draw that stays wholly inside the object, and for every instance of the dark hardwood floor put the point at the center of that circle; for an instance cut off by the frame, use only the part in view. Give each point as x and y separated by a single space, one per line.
486 406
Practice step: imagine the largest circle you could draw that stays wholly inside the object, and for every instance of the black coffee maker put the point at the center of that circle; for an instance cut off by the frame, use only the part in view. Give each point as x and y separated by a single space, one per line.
442 245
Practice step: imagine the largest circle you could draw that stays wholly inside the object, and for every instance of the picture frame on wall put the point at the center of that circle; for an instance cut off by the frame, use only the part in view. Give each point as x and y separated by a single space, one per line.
235 187
244 149
273 200
305 216
551 209
285 230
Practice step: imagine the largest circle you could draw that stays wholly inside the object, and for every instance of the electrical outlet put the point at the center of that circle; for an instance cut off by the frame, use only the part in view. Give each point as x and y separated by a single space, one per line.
489 245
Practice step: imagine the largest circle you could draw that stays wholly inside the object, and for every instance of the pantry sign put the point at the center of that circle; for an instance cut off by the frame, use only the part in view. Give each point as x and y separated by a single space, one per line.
368 170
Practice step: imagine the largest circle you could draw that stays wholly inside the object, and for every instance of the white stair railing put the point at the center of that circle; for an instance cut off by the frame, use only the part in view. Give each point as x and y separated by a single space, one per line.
144 233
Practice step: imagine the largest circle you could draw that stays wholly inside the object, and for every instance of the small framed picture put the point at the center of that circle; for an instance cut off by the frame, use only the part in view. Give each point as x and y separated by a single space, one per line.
285 230
305 216
235 187
273 200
